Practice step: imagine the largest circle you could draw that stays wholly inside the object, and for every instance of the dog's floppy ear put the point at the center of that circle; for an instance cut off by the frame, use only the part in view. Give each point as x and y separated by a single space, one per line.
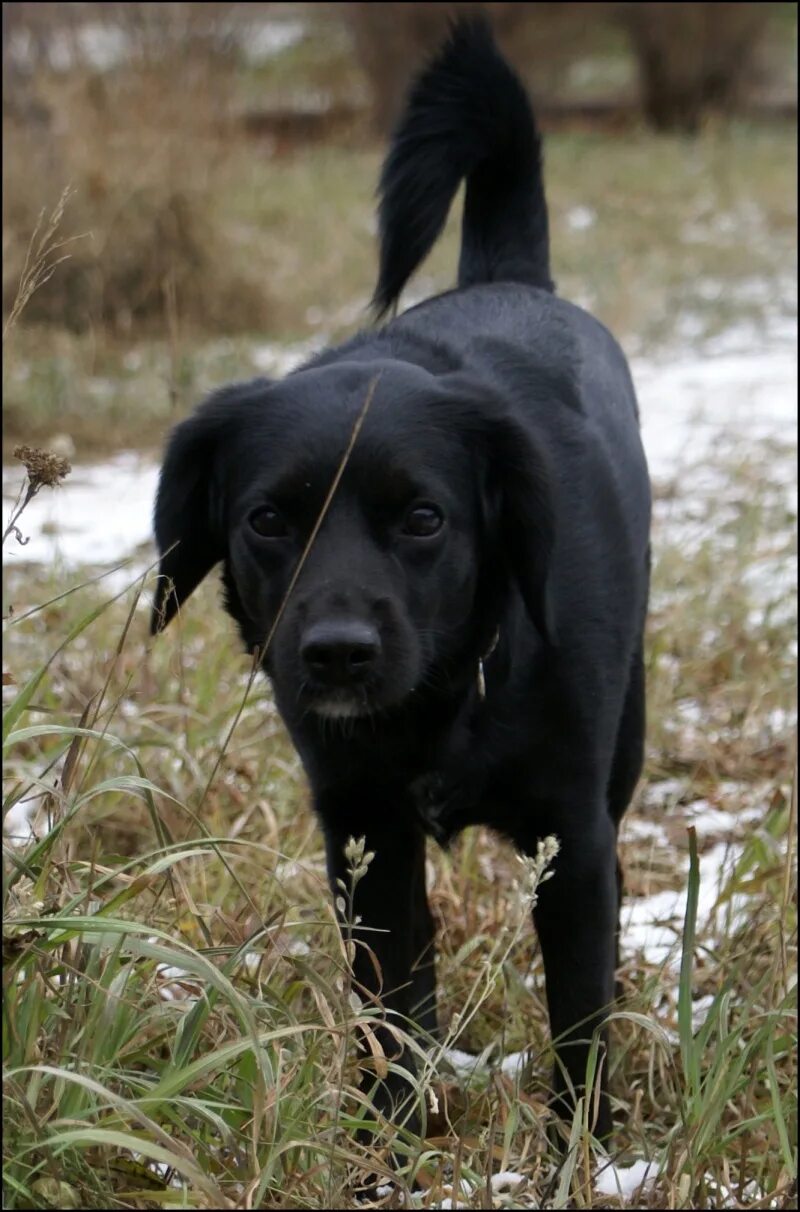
187 517
521 471
521 486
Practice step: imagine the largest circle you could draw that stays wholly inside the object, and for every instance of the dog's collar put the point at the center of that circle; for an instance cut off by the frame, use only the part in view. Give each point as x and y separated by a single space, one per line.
485 657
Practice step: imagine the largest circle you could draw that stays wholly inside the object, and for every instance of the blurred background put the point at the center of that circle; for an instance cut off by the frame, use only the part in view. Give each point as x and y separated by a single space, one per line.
196 182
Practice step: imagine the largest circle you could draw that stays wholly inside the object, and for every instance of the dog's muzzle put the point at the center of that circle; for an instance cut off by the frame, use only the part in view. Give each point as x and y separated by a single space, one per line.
340 659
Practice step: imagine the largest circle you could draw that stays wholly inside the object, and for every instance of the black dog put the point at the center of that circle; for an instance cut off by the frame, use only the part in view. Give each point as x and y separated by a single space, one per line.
492 514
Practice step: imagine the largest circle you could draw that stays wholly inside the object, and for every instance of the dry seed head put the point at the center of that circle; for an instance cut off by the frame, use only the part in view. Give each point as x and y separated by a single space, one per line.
43 467
534 870
25 902
354 850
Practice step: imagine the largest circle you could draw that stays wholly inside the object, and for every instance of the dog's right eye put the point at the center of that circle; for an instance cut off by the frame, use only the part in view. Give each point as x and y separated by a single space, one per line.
423 521
268 523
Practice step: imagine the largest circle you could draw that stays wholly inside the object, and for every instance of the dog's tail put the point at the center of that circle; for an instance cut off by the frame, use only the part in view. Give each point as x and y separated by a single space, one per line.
467 115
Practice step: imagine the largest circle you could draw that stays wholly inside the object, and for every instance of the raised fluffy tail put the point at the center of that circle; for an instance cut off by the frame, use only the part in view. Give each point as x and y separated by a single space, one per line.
467 115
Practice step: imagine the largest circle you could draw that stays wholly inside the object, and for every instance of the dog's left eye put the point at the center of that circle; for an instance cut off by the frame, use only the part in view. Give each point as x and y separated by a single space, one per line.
267 522
423 521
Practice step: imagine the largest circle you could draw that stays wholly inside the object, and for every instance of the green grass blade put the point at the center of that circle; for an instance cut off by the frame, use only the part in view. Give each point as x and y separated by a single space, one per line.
689 1055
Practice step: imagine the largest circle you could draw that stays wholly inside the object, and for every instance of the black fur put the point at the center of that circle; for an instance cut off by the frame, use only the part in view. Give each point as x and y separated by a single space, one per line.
510 416
467 117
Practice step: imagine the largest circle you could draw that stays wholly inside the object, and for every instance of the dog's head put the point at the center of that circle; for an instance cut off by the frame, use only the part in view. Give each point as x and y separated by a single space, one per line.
441 499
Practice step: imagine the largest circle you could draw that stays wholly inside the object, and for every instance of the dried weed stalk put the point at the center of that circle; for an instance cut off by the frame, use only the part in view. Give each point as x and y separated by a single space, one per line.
44 469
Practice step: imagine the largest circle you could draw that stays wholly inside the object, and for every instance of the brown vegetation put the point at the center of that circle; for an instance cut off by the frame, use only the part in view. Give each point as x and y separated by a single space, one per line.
138 148
693 59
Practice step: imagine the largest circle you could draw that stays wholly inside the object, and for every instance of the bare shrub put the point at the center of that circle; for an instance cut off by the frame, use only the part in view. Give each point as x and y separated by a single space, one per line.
692 58
143 145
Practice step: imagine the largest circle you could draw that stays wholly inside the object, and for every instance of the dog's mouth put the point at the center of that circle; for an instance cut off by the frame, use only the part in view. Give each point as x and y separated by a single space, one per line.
340 705
357 702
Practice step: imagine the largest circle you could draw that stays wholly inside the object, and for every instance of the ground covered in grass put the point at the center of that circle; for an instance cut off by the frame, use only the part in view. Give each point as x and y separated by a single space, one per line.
178 1027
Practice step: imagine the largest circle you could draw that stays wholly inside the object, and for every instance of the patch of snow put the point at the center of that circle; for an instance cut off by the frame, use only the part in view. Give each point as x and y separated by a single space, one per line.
465 1064
627 1182
665 791
18 822
292 869
580 218
273 359
666 1009
751 1193
98 515
267 39
503 1182
104 45
781 720
513 1064
687 402
700 1009
652 926
177 985
641 827
708 819
100 45
466 1188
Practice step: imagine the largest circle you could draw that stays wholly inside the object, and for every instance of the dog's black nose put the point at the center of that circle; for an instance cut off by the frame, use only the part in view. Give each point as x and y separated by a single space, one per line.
340 653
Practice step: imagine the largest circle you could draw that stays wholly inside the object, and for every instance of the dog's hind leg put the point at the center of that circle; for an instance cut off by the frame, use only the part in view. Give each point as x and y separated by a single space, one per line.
628 761
629 749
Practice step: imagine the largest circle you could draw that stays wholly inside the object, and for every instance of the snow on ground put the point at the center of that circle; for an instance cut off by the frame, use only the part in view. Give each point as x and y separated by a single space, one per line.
104 45
19 820
99 516
652 926
688 403
625 1183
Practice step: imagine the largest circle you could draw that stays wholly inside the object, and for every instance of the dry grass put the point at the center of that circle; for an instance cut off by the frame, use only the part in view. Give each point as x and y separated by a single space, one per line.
140 150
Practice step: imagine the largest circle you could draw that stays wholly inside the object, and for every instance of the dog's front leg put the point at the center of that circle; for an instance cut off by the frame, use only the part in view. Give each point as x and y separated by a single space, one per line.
378 911
575 919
